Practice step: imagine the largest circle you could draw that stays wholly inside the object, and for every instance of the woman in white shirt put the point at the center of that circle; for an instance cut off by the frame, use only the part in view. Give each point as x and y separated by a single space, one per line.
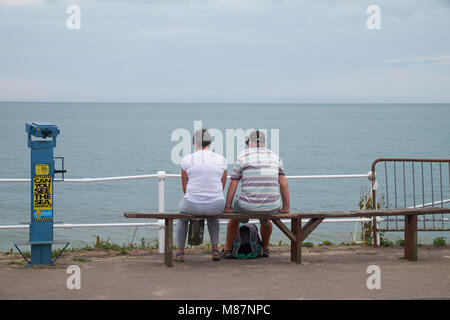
203 178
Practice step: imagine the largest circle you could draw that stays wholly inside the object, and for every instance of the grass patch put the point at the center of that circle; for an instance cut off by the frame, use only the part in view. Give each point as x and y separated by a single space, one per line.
439 242
385 242
146 245
326 243
307 244
18 263
353 243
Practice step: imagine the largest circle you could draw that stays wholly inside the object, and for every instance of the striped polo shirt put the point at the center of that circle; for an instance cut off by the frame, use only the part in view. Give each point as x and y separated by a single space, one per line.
258 169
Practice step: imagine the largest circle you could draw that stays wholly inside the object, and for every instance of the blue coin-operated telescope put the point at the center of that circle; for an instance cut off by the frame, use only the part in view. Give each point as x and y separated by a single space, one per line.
42 141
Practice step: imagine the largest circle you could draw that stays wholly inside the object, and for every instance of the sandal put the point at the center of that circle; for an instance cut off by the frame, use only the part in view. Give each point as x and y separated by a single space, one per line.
265 253
178 256
227 254
216 255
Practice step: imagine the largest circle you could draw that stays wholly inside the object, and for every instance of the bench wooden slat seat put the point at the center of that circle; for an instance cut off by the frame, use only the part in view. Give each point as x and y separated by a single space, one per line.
297 234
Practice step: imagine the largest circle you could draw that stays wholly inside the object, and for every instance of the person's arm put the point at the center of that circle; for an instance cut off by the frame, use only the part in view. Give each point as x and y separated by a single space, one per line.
284 190
184 180
224 179
230 195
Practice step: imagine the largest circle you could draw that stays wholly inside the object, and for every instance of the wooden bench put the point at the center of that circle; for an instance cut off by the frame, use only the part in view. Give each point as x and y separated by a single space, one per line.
298 233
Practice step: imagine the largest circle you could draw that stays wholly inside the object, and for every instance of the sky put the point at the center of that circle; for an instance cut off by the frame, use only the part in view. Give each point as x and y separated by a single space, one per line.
265 51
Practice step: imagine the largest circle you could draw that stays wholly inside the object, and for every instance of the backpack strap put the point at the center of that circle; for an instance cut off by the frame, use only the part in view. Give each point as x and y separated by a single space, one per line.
236 245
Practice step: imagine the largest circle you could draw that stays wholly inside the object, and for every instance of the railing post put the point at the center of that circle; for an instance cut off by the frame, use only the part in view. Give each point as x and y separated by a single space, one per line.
161 208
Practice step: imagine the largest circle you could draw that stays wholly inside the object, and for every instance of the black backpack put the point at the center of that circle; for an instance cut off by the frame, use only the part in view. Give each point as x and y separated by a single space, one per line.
247 244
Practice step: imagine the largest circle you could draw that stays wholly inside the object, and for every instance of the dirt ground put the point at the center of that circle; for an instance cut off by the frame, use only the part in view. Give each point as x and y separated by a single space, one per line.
327 272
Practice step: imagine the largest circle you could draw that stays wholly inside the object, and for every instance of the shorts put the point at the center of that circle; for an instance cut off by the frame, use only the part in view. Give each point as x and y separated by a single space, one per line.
238 209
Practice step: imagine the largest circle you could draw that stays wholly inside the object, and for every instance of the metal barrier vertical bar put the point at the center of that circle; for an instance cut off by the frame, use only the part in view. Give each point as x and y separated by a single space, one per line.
432 189
161 208
387 192
395 185
442 204
423 194
387 187
414 184
404 185
395 193
374 206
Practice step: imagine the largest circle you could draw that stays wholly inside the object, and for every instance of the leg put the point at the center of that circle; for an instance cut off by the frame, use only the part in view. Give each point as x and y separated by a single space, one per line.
296 246
266 232
168 242
411 238
232 230
182 229
213 229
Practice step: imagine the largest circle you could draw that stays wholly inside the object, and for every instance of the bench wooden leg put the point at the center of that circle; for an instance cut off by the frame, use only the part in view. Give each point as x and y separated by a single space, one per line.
296 246
411 237
168 242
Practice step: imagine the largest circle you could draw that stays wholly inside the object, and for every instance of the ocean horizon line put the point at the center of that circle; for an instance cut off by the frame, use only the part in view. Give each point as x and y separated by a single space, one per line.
229 103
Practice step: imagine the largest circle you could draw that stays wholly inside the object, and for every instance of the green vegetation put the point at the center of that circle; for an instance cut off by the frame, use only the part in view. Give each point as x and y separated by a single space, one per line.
151 244
353 243
366 203
400 242
385 242
439 242
326 243
307 244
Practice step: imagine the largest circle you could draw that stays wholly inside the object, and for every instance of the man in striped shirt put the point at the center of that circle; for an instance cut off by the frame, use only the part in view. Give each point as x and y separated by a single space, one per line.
262 177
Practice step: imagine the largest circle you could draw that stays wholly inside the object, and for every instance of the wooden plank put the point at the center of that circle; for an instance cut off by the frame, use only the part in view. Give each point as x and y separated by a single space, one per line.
312 215
411 238
310 226
284 229
168 259
296 245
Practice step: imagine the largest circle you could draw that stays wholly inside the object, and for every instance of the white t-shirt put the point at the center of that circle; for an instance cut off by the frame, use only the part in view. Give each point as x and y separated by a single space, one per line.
204 169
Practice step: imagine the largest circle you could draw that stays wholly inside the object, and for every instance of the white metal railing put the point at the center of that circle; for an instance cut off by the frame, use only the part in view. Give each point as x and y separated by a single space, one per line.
161 176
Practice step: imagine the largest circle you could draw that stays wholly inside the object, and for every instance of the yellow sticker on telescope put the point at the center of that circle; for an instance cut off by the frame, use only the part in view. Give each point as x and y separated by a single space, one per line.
41 169
42 198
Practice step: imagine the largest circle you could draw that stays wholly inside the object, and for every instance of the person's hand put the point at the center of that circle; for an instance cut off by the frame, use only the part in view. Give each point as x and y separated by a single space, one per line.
284 210
228 210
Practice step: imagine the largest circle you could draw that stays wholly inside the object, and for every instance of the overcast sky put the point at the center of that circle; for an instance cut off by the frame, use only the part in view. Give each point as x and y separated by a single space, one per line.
225 51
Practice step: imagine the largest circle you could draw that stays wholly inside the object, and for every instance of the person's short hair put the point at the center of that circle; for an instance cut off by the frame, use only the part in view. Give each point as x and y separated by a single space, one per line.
257 137
201 138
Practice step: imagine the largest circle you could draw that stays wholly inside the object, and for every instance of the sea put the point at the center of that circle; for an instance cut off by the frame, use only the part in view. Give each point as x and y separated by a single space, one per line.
125 139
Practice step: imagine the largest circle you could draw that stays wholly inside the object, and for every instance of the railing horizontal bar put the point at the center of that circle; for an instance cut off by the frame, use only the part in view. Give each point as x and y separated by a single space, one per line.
171 175
83 225
430 204
150 224
336 176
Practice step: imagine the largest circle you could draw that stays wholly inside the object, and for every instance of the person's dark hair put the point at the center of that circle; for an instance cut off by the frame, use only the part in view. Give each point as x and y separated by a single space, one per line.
201 138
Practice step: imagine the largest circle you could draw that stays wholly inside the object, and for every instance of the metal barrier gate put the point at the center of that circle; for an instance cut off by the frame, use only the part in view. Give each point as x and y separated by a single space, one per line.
411 183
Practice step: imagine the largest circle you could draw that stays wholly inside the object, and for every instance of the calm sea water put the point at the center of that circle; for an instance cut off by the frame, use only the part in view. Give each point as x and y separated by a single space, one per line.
101 140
